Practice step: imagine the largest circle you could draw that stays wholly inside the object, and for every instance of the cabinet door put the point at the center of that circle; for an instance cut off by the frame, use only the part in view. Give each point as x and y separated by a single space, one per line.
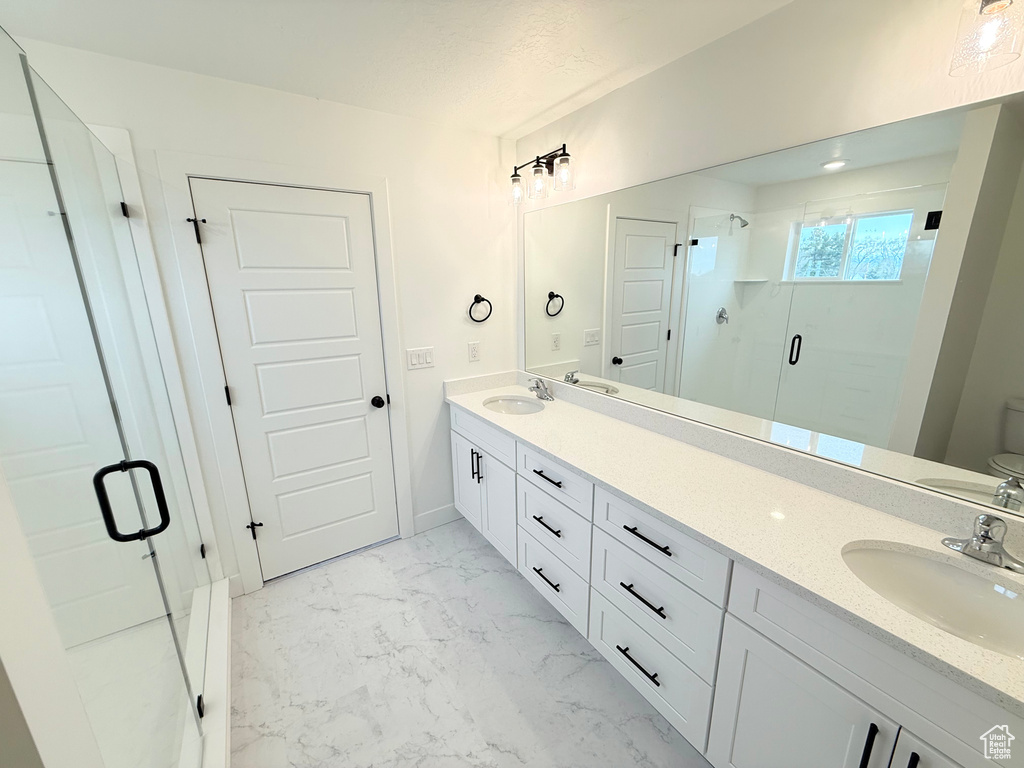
468 489
911 752
499 508
773 711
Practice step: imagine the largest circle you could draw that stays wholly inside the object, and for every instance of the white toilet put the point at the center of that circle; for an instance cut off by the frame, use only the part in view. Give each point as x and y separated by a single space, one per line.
1012 463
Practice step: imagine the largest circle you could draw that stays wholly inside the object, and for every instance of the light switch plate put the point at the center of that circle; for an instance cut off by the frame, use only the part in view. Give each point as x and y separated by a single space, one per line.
592 337
556 341
421 357
474 351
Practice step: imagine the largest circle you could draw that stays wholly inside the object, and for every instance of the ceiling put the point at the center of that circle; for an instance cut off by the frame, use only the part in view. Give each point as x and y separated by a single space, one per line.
504 68
918 137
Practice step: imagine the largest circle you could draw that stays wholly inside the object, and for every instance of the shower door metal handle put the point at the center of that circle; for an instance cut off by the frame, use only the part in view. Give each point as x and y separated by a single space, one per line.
794 349
108 513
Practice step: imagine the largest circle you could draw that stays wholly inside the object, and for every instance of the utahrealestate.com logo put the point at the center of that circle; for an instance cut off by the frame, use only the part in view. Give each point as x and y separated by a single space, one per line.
997 742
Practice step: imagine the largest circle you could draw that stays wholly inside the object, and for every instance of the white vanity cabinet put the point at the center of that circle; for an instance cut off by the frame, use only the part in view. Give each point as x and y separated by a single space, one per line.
748 671
774 711
485 490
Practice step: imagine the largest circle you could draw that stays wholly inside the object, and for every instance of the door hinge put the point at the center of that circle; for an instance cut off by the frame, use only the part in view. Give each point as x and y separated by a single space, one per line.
227 393
669 335
200 706
124 210
202 551
195 226
389 399
933 220
694 241
252 529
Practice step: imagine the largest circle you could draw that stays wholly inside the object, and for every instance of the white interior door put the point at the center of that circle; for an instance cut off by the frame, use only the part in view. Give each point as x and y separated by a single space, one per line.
293 281
642 279
57 426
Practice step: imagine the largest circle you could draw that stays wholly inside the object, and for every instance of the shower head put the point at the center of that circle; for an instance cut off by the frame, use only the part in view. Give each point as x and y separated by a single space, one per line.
736 217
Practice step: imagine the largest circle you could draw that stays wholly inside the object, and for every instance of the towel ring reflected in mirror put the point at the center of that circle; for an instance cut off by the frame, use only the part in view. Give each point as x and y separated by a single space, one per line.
561 304
478 299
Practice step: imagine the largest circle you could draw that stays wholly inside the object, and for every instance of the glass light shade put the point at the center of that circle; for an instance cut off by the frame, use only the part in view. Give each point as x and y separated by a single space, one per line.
991 35
564 178
538 183
517 189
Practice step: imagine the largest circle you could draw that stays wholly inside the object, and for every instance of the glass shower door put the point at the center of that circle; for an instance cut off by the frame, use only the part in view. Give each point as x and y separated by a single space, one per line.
81 389
858 267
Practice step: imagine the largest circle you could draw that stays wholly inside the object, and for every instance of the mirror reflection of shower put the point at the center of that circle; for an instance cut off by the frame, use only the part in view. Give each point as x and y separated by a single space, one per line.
734 217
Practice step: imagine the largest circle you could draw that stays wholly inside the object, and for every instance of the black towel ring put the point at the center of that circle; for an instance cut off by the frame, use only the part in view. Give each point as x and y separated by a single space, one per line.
478 299
561 304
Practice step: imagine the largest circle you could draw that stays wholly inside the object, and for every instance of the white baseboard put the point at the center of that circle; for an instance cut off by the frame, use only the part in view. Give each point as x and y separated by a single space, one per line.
435 517
235 586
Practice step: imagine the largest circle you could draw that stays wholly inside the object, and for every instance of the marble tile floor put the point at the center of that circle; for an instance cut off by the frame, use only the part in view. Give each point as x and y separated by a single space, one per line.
430 652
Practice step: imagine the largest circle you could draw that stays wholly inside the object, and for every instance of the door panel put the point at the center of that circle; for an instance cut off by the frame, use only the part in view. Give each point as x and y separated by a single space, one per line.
774 711
468 491
292 278
643 276
500 525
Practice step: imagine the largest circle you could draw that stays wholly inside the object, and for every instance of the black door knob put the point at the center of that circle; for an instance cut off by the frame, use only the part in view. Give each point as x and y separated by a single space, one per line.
616 361
377 401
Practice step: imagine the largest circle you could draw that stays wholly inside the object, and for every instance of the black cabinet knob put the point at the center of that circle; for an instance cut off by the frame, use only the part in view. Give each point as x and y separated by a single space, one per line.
377 401
616 361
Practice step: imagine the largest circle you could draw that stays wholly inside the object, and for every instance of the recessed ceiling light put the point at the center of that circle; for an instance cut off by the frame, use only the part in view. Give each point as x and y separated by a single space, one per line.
833 165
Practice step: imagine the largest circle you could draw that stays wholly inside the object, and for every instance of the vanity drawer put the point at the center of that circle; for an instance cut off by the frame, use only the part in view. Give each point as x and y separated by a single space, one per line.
677 617
487 438
562 586
560 529
558 480
699 567
679 694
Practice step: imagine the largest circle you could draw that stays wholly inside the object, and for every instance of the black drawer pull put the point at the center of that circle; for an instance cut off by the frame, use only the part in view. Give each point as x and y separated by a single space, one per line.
914 760
540 520
550 583
556 483
625 652
643 538
869 744
472 461
638 596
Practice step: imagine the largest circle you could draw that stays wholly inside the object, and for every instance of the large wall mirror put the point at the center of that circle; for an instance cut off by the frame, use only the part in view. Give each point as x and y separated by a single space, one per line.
860 298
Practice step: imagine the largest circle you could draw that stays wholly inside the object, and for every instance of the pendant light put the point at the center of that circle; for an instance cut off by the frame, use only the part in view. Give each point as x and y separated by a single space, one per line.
517 189
564 176
990 35
538 181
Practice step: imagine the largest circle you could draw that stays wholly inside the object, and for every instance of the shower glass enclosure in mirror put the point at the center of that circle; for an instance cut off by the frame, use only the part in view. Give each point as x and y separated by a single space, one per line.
858 298
81 388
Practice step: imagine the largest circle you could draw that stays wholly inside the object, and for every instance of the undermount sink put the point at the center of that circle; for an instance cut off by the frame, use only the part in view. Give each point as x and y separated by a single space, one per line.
931 587
519 406
597 386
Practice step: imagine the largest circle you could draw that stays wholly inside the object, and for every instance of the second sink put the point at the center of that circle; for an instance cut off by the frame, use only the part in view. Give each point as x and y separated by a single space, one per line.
951 598
513 404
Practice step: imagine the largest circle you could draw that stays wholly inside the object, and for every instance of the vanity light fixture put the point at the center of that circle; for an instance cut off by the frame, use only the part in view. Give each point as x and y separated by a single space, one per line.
990 35
833 165
555 170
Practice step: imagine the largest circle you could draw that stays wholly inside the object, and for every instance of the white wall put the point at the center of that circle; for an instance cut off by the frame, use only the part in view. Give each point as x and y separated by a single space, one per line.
451 229
810 70
997 366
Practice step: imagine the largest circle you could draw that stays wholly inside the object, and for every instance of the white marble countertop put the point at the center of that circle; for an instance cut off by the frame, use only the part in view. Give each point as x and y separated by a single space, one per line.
788 532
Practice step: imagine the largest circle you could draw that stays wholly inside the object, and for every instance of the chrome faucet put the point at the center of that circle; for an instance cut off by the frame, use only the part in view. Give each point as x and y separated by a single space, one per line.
572 378
541 389
1009 495
987 544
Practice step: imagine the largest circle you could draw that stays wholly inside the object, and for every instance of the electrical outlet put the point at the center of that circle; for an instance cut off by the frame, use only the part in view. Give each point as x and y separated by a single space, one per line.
592 337
474 351
422 357
556 342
